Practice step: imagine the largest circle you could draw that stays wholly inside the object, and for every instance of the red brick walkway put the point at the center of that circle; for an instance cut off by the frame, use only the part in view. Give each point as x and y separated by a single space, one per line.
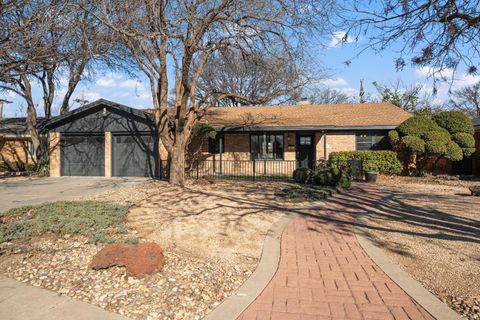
325 274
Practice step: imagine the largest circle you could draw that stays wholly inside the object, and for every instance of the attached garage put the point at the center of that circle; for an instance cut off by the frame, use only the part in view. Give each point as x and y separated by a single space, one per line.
133 155
104 139
82 155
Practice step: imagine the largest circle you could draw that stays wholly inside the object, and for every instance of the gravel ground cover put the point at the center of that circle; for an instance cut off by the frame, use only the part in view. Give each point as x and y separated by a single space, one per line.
431 228
212 236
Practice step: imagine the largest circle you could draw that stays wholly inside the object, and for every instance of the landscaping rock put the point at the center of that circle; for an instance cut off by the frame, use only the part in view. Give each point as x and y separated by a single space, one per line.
139 259
111 255
144 258
475 191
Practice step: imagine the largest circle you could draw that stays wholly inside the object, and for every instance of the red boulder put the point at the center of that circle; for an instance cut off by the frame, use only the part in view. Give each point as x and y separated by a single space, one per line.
139 259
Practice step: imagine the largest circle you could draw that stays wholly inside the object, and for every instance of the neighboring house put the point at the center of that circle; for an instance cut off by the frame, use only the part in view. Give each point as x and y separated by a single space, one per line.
15 144
476 161
107 139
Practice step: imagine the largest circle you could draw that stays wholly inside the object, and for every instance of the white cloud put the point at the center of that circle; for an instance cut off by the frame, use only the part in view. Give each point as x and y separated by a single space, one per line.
334 82
338 38
90 95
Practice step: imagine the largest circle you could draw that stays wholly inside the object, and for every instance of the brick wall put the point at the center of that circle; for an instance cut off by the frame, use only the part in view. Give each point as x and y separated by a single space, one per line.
340 141
54 143
237 146
108 154
15 150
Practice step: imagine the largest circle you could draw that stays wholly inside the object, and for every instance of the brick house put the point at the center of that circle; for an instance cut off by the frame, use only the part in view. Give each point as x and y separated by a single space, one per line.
107 139
15 144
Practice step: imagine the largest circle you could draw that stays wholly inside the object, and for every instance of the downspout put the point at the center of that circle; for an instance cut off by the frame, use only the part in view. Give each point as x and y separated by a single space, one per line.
324 145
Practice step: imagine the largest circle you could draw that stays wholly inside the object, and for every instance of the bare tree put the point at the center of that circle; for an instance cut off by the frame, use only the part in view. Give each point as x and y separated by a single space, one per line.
176 39
325 95
439 34
467 100
257 77
41 42
409 98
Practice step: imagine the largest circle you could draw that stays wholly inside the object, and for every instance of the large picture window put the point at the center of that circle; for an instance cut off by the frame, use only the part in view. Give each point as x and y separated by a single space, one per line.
266 146
215 145
369 140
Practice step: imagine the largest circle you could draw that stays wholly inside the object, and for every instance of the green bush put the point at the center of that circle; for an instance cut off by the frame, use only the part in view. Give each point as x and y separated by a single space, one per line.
302 175
382 161
464 140
454 122
417 126
454 152
393 136
332 177
413 144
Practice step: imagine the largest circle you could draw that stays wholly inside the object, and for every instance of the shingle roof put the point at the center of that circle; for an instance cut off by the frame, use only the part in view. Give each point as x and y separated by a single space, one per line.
327 116
17 126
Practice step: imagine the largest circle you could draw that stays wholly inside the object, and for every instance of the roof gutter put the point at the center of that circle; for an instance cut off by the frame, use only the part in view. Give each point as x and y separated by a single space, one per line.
306 128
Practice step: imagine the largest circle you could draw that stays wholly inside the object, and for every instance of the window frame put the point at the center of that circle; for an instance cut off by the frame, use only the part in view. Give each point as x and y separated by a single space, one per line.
218 144
263 151
373 135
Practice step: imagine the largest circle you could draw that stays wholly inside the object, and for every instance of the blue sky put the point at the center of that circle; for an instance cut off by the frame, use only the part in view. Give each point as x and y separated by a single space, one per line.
369 66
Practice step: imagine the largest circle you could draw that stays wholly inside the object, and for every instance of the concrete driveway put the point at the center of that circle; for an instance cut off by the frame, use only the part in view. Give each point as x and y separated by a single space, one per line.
16 192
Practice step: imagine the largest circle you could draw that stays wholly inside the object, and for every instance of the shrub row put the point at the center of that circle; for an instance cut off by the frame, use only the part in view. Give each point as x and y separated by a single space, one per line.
382 161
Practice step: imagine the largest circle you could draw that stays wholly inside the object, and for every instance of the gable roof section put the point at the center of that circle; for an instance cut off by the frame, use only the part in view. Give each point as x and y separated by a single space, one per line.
92 107
307 116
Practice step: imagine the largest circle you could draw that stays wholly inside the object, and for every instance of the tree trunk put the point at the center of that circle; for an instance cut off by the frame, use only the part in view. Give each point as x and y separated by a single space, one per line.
177 162
32 130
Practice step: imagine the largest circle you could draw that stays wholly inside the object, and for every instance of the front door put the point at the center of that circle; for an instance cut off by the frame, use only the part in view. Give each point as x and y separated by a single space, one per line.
305 154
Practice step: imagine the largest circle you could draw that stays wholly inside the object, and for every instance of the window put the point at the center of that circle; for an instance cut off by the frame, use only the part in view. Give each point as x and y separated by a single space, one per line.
369 140
266 146
215 145
305 141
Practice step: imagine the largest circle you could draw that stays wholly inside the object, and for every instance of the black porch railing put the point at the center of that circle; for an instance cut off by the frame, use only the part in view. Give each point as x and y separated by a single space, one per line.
242 169
279 170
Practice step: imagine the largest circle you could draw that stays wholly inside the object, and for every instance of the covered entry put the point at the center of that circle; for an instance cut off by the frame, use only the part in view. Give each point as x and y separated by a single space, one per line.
82 155
133 155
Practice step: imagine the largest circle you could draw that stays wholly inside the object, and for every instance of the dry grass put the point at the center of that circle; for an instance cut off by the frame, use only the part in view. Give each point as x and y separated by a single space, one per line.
227 219
432 229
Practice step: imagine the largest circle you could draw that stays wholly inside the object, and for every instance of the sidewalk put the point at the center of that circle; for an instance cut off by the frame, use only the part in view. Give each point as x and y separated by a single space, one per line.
325 274
19 301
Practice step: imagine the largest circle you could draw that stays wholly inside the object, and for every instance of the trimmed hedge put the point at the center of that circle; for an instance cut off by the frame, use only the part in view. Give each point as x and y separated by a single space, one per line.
332 177
454 122
382 161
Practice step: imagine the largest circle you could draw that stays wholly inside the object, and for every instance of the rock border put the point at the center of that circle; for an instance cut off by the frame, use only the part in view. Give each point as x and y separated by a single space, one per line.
233 306
413 288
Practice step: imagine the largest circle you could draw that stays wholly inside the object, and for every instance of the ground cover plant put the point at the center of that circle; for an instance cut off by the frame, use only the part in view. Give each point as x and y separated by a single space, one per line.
99 221
305 192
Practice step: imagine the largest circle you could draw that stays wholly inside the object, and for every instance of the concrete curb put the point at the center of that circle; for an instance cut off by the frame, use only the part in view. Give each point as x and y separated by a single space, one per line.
414 289
234 305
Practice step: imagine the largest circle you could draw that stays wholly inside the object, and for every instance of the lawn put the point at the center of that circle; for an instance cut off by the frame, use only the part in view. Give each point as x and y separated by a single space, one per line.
431 228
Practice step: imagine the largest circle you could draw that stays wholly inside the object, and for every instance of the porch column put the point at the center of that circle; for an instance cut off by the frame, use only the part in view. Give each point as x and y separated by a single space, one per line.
54 154
108 154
